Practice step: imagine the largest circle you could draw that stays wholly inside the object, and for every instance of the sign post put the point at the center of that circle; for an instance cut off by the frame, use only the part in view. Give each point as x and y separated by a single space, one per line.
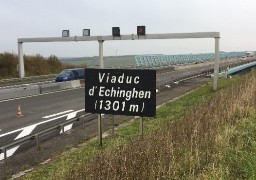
101 65
113 126
141 127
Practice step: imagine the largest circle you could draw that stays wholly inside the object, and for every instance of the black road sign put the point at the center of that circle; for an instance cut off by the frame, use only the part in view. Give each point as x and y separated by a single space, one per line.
141 30
120 91
115 31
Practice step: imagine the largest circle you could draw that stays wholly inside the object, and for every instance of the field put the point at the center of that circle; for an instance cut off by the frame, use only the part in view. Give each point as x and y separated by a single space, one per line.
201 135
109 62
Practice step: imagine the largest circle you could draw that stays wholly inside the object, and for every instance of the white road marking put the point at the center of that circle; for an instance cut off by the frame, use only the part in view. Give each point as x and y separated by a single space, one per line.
24 133
64 112
11 132
27 130
70 116
9 152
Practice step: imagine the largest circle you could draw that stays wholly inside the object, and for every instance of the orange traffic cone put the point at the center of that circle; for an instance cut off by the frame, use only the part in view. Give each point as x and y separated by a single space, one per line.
19 114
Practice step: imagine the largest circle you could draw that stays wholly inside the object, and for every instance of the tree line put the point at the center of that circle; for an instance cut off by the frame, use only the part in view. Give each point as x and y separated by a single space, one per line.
34 65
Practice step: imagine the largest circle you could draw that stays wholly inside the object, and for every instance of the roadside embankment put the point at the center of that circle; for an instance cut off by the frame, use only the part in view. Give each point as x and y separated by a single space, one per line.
202 135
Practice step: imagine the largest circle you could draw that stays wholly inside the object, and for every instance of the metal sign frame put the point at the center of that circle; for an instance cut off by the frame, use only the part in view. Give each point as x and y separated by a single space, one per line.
101 39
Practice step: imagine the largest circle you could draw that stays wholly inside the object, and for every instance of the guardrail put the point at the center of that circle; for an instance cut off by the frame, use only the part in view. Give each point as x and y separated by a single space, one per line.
36 136
236 69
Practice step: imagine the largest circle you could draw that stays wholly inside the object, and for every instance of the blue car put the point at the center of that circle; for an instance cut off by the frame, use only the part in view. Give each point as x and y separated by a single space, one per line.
70 74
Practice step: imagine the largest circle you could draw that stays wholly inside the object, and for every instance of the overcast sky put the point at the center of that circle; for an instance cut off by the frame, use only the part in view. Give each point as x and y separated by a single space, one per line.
234 19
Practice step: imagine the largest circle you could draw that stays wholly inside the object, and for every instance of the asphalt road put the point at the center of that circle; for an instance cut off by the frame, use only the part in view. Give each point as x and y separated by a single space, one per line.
36 107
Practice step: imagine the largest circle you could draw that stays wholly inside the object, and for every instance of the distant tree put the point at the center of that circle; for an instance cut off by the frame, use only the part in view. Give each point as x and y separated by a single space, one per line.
34 65
8 65
54 64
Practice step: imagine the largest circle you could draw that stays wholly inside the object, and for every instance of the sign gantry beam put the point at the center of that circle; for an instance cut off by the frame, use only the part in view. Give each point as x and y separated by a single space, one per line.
123 37
101 39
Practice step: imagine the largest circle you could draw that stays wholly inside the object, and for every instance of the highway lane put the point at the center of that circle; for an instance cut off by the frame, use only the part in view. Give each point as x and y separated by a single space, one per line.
36 107
39 112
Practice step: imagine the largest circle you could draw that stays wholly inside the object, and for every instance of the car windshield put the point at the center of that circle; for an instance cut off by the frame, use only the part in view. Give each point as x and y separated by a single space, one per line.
66 72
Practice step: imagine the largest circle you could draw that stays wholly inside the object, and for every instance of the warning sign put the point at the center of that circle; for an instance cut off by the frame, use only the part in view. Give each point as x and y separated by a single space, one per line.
120 91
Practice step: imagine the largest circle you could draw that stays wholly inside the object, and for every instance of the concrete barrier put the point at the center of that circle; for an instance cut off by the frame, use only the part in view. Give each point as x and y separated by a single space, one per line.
70 84
46 88
65 85
37 89
19 92
75 84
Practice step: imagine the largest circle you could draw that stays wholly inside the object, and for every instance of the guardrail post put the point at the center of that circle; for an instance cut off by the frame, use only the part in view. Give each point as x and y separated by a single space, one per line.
62 128
37 142
83 125
5 154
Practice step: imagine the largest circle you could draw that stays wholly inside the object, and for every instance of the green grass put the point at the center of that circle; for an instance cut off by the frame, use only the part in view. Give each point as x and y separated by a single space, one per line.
237 159
241 155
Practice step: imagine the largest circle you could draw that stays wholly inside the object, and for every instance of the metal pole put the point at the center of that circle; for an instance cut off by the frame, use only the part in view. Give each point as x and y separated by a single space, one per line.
5 154
216 65
141 127
62 129
113 126
37 142
101 65
21 60
99 130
